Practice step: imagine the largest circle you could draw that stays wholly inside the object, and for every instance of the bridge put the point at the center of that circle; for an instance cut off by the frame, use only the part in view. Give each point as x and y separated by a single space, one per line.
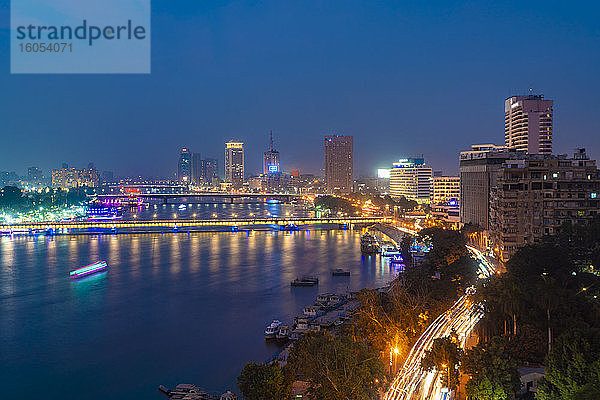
174 225
198 196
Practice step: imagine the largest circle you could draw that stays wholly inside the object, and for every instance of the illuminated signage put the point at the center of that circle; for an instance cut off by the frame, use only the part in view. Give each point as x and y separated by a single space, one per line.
273 168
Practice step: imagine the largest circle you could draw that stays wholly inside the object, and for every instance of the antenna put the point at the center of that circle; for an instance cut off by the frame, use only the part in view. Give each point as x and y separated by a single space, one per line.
271 142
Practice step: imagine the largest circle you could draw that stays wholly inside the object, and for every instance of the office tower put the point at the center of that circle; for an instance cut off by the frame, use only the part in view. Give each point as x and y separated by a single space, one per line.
234 163
446 189
210 169
411 178
339 163
534 196
271 159
528 124
479 169
184 166
189 167
196 168
107 176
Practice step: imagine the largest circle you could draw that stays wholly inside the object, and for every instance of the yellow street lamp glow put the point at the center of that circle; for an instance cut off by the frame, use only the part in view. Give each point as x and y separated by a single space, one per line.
396 351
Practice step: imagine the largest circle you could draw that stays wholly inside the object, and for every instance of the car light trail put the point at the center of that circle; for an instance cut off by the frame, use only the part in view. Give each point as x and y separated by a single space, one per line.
412 382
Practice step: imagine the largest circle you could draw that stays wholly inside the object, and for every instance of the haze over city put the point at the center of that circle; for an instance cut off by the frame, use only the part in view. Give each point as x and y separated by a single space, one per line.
403 79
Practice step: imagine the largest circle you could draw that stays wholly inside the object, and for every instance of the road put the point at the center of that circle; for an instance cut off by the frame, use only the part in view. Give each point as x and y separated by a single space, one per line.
412 382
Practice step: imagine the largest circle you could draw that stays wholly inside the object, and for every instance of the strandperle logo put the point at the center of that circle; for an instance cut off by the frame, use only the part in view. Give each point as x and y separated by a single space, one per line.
80 36
85 31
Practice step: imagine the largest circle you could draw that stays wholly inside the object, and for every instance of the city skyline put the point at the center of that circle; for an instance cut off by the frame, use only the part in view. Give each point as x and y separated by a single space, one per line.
376 81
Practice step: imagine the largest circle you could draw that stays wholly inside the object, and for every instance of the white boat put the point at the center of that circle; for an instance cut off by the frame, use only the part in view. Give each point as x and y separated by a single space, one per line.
284 332
272 329
182 207
389 250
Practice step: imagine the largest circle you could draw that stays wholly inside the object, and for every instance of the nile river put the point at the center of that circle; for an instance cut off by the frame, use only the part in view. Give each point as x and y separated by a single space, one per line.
172 308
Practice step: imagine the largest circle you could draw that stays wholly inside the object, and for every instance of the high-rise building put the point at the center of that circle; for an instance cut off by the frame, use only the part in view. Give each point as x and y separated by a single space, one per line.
234 163
411 178
534 196
446 189
189 167
271 159
339 163
479 170
528 124
210 170
184 166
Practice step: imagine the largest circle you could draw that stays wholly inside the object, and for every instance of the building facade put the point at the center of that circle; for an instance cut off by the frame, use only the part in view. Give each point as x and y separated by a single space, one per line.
209 171
536 195
528 124
446 189
339 163
411 178
479 170
67 178
234 163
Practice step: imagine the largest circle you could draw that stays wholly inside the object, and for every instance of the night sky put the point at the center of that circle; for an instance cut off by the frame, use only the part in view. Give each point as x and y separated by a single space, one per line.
404 78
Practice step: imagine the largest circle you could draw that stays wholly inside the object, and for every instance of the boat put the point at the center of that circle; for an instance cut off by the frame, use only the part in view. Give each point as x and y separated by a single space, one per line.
340 272
88 270
369 244
283 333
389 250
305 281
182 207
272 329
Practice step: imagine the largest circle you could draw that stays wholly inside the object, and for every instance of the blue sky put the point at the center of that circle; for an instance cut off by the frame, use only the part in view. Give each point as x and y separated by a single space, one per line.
404 78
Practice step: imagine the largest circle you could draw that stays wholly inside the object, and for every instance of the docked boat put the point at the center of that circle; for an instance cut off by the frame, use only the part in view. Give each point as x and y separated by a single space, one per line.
305 281
272 329
389 250
91 269
340 272
369 244
283 333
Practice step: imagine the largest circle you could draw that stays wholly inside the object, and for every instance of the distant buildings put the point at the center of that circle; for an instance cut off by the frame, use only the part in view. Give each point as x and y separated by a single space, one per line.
234 163
528 124
339 163
34 174
536 194
189 167
411 178
66 178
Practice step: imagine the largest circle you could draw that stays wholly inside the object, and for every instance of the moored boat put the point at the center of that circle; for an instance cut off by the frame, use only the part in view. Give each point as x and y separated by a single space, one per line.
369 244
272 329
305 281
340 272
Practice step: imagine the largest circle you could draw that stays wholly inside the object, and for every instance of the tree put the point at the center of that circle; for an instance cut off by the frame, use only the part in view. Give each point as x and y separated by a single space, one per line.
263 382
337 368
493 370
444 356
572 366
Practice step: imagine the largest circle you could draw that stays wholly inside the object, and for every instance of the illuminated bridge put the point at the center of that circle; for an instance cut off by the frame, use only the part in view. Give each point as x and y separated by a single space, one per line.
174 225
195 197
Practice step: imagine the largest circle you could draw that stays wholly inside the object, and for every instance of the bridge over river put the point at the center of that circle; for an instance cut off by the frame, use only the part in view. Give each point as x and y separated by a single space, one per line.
175 225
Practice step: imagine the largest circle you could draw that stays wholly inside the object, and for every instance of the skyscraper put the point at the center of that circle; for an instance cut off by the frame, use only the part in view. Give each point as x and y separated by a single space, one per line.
189 167
528 124
271 159
184 167
411 178
339 163
234 163
210 169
